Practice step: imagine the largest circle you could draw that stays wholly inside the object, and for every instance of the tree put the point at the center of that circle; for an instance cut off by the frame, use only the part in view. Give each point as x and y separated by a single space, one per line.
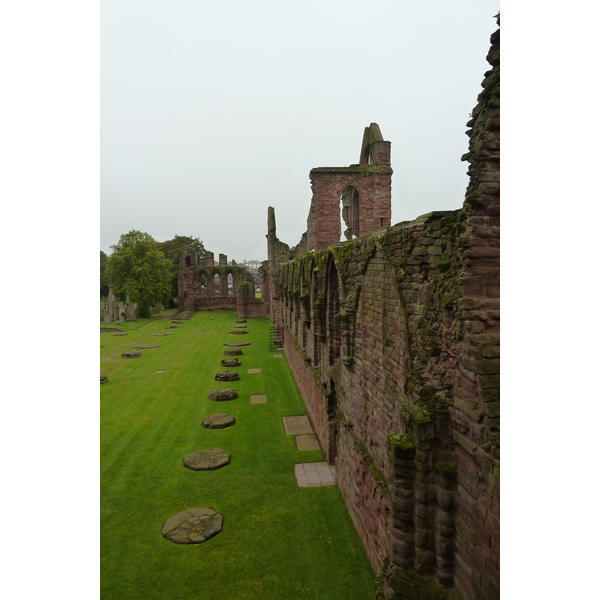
103 283
172 250
138 268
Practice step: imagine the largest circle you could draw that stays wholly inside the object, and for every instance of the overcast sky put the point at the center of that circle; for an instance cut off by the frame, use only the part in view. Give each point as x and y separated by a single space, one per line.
213 111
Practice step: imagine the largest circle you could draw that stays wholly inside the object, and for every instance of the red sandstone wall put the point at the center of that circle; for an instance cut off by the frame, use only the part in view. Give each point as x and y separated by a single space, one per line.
412 357
374 189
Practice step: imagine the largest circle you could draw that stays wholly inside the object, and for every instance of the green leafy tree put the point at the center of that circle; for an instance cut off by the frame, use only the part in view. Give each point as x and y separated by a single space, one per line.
138 268
103 281
172 250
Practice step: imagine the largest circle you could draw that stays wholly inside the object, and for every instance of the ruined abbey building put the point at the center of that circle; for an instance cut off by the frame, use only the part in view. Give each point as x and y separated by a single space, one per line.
393 340
204 285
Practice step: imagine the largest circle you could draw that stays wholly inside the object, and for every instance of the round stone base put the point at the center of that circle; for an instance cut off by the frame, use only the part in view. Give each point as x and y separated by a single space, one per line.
218 421
192 526
206 460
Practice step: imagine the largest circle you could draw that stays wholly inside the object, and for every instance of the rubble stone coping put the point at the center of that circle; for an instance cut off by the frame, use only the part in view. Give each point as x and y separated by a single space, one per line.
240 320
227 376
165 333
103 378
218 421
131 354
119 334
206 460
192 526
223 395
236 343
238 331
145 346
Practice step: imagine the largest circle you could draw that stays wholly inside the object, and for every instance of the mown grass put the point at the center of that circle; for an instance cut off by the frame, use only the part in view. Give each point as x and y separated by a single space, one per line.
278 540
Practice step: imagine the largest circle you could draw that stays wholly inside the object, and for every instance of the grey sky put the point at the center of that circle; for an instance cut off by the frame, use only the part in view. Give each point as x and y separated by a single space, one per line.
213 111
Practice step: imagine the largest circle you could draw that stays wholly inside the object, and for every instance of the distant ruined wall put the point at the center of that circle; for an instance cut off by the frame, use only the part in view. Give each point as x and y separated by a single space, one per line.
393 340
198 288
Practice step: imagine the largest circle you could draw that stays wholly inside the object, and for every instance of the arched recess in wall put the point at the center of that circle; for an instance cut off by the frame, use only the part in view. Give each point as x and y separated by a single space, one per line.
334 340
230 282
217 284
316 325
382 343
188 261
349 214
304 317
203 282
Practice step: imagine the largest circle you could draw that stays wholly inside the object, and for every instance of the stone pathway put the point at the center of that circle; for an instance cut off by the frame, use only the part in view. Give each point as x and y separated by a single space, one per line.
315 474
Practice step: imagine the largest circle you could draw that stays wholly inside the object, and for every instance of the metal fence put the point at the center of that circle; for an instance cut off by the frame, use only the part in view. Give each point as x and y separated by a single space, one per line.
276 337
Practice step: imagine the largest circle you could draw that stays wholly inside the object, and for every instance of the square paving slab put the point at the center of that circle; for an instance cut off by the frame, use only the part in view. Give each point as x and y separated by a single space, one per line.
277 355
253 370
314 474
306 442
260 399
296 425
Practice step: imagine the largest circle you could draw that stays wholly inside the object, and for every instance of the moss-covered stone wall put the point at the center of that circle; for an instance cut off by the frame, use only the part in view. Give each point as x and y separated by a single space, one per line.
393 339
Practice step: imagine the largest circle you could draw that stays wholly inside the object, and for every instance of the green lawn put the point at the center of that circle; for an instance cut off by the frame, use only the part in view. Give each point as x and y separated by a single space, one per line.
278 540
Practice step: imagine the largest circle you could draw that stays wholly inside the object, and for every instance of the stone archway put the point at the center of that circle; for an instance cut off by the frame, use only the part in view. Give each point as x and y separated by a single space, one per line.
349 214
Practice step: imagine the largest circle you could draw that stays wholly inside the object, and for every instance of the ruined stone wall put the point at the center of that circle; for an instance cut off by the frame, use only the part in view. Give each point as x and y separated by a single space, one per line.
393 340
373 184
197 288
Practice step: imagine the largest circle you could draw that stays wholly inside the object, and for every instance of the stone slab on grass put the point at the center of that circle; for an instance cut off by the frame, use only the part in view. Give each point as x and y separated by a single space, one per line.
314 474
192 526
252 371
145 346
131 354
297 425
258 399
307 442
235 344
206 460
277 355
